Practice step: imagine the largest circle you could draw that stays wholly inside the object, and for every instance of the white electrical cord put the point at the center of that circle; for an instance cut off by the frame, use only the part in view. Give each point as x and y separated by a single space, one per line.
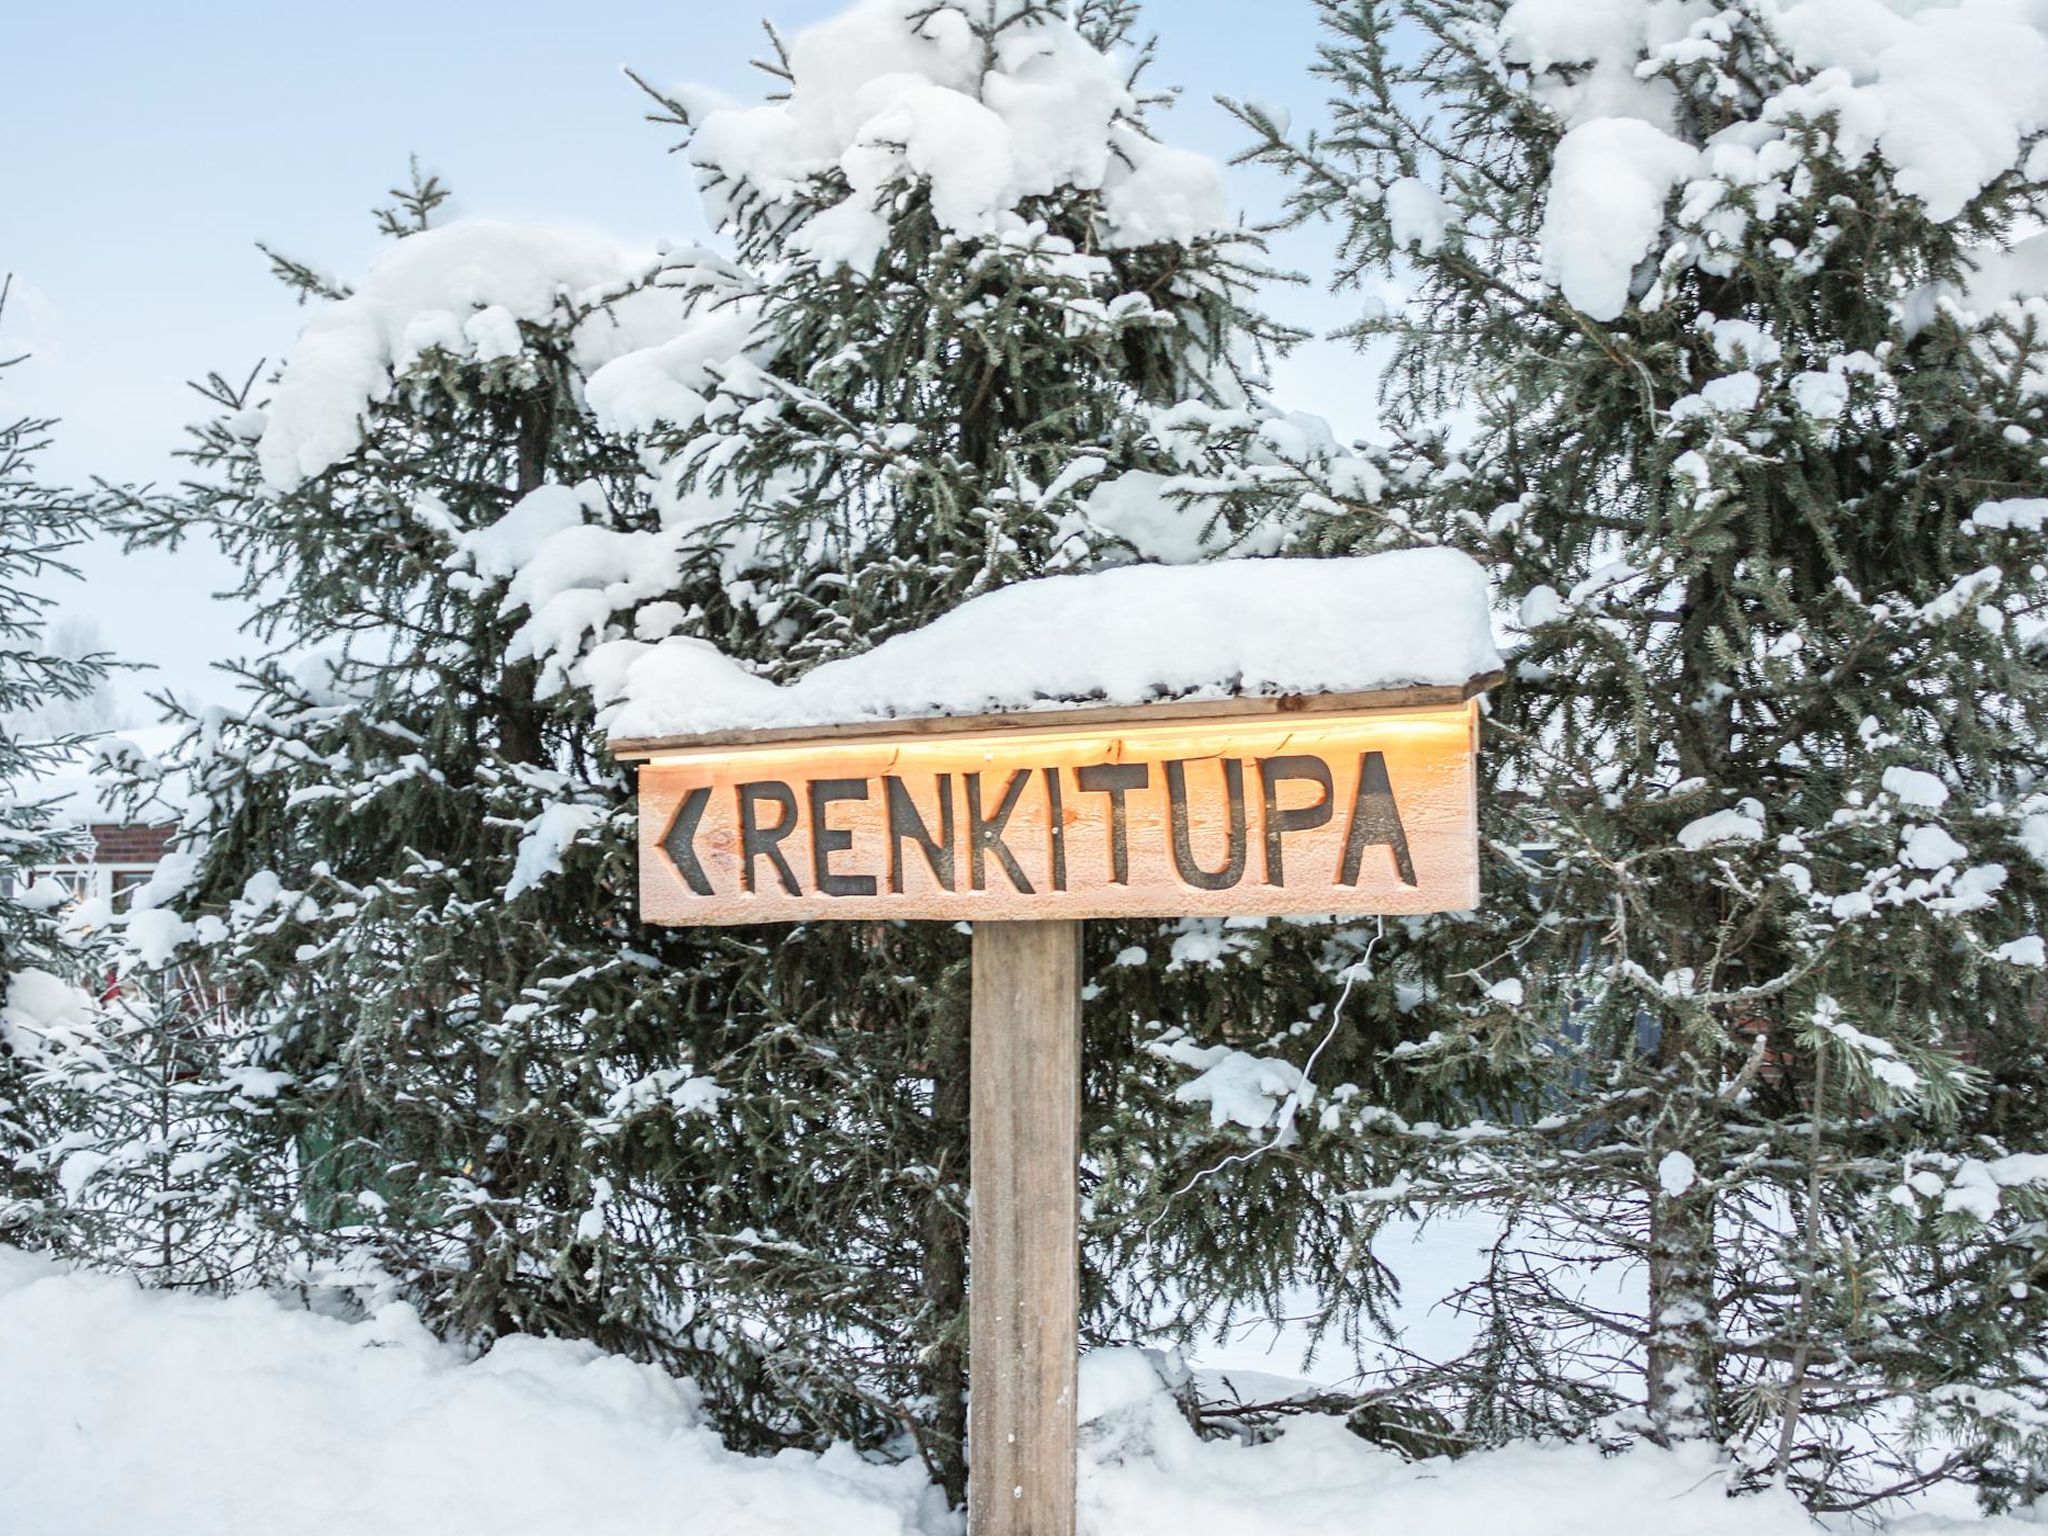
1298 1099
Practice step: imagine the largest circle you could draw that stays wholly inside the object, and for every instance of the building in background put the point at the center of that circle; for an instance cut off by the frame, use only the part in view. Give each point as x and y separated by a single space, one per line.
118 853
122 856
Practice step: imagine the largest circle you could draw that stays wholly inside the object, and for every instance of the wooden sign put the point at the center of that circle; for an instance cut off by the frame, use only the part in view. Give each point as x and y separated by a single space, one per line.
1289 806
1024 824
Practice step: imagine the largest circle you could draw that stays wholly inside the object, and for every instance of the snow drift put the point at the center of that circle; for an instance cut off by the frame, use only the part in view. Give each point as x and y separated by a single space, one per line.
127 1411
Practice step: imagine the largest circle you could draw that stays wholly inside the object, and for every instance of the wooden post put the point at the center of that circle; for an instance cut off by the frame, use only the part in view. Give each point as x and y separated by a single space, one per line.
1024 1287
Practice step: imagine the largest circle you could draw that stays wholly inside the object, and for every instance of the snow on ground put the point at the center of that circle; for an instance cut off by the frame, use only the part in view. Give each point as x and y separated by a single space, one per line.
1433 1258
1130 635
124 1411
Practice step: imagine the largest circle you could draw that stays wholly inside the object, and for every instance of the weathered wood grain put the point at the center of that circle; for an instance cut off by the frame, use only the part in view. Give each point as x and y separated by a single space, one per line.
1099 716
1319 812
1024 1270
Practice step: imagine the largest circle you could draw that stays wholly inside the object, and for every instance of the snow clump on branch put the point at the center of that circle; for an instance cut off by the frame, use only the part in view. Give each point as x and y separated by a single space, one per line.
897 92
464 290
1947 95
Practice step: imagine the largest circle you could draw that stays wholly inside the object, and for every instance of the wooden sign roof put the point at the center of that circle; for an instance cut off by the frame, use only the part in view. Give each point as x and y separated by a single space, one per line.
1146 741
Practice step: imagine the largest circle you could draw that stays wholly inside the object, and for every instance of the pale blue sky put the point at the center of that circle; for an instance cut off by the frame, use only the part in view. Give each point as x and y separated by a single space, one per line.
145 147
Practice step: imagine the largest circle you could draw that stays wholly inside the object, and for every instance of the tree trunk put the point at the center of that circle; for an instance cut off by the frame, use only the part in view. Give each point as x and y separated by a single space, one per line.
521 740
1681 1359
1683 1329
1681 1354
945 1248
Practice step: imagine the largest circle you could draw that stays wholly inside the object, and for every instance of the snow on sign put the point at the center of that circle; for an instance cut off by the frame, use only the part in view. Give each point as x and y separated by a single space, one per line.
1002 763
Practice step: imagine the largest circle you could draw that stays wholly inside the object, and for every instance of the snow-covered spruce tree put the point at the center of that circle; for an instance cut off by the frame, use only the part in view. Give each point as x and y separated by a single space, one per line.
75 637
1765 878
41 966
996 331
144 1099
408 864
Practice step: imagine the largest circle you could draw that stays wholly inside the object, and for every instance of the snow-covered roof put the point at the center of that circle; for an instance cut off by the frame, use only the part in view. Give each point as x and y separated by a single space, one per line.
1128 636
80 788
